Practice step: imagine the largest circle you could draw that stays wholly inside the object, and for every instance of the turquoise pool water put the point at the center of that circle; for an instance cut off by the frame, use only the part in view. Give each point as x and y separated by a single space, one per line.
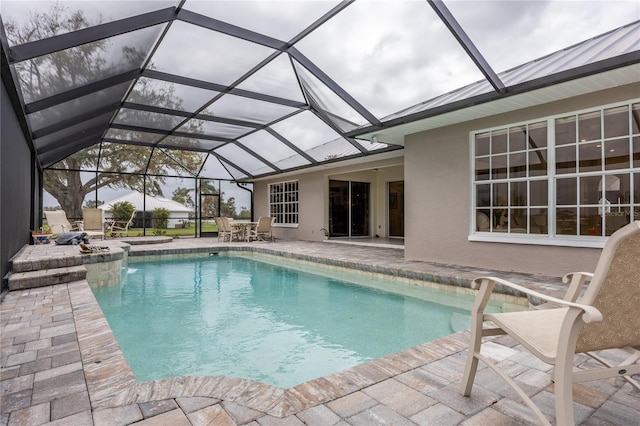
235 316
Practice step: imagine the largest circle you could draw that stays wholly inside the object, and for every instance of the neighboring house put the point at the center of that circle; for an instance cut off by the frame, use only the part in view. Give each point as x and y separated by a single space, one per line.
178 213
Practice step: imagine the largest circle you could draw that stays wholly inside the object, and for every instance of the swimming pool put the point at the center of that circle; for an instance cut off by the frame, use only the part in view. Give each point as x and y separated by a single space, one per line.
239 316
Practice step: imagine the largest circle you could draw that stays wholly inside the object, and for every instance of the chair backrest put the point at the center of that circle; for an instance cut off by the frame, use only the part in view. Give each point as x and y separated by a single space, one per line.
219 224
615 292
93 219
130 222
57 221
264 224
226 224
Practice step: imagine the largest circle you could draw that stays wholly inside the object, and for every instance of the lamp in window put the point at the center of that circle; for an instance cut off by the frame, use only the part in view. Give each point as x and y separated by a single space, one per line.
608 186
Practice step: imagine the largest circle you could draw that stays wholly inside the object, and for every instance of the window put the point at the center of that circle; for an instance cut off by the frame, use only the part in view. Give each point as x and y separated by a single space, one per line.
283 202
574 175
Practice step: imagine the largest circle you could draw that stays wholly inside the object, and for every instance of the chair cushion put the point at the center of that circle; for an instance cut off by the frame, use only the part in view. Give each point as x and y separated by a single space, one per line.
537 330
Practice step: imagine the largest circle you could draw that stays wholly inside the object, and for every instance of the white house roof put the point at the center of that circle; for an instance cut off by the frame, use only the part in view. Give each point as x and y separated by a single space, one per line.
137 199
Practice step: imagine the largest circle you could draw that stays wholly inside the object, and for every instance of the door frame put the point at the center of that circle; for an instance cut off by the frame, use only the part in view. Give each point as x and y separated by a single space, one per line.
389 207
200 214
350 205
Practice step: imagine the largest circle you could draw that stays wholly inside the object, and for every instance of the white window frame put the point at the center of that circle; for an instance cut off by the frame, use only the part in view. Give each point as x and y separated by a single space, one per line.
287 207
550 238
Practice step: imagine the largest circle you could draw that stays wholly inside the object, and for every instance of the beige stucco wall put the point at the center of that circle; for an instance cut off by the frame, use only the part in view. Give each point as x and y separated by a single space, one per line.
314 194
437 185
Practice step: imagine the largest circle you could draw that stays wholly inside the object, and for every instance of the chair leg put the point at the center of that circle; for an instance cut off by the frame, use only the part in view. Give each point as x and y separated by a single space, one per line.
469 376
563 373
563 389
471 365
635 356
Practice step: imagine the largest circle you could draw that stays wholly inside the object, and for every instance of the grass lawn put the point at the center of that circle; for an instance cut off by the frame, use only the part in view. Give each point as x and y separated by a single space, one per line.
172 232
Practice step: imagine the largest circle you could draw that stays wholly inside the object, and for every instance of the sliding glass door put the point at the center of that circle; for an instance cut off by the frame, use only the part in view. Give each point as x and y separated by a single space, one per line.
349 208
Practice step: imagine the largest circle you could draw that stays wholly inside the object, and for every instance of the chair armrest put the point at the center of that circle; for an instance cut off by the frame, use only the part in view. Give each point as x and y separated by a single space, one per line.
486 285
575 280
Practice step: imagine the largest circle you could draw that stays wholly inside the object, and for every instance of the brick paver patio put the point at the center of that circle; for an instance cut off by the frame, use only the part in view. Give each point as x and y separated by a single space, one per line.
60 364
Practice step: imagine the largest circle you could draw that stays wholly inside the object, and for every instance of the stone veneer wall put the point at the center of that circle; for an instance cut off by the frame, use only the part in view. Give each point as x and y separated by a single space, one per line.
104 274
106 269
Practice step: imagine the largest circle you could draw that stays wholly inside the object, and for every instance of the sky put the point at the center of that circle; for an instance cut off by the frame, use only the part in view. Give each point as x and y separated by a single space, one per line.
388 55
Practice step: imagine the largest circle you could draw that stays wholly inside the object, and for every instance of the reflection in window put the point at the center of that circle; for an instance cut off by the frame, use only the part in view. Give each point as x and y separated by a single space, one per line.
601 201
511 179
595 178
54 73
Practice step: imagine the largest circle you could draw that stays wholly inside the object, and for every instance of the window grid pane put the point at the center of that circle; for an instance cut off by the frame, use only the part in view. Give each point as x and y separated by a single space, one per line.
593 179
283 202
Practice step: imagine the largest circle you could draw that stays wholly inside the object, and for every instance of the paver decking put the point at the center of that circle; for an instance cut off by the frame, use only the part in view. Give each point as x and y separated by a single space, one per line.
60 364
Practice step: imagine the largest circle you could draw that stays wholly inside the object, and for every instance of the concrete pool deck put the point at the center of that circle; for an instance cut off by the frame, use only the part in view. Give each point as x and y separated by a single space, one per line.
60 364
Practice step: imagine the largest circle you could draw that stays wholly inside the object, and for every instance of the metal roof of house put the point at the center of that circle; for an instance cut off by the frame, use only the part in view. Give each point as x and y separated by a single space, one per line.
243 90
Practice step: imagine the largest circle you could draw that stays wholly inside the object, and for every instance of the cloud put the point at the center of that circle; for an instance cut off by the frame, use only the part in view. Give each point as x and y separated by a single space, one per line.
392 55
510 33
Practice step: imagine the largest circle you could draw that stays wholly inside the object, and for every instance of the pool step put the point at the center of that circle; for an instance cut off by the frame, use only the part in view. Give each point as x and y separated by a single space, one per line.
50 256
45 277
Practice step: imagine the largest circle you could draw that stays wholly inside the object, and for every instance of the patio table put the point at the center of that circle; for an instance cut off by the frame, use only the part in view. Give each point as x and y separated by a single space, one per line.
243 228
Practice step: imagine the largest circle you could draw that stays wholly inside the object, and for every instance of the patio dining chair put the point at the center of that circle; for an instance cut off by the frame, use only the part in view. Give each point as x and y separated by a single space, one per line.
223 234
605 317
262 230
232 232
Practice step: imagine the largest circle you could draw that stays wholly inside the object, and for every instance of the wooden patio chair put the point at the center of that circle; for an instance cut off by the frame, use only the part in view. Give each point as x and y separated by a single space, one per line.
605 317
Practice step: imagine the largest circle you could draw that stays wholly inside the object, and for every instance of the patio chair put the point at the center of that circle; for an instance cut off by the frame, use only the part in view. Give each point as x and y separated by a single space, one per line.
606 317
230 231
262 230
223 234
121 226
93 222
59 224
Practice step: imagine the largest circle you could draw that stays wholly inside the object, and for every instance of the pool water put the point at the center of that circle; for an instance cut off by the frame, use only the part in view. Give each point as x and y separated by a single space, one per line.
236 316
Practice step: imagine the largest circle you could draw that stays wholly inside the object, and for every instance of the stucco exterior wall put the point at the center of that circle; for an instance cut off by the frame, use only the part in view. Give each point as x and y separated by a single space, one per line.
313 196
437 193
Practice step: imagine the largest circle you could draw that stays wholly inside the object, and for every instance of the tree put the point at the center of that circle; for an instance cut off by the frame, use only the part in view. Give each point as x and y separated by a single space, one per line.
122 166
228 207
244 213
92 204
122 211
161 217
182 196
209 206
